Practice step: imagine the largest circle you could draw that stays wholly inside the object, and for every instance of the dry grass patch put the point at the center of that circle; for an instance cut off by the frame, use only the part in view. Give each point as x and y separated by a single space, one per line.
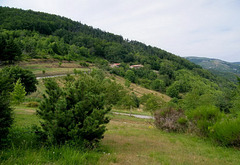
140 91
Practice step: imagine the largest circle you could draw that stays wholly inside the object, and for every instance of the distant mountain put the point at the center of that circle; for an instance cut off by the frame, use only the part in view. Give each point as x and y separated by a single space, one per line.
222 68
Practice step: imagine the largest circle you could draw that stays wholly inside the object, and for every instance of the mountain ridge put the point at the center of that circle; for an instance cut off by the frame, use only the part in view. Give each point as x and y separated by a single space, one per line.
222 68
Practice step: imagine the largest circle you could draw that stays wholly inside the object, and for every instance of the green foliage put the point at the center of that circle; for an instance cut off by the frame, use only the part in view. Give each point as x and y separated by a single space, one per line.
28 79
129 101
227 131
84 64
235 100
173 90
113 91
6 117
130 75
19 93
204 117
74 114
167 68
10 50
127 83
98 74
151 102
158 85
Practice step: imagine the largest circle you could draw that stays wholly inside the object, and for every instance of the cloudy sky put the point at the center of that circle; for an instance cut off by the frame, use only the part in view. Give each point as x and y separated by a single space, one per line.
204 28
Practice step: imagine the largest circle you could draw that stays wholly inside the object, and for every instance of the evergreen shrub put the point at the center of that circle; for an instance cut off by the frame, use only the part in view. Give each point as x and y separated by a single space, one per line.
75 112
6 118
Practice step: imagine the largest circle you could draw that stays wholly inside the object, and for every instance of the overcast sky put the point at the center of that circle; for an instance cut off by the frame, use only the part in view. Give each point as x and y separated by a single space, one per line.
204 28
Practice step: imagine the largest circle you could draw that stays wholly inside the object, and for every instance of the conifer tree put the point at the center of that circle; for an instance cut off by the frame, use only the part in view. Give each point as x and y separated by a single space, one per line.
74 114
6 118
18 93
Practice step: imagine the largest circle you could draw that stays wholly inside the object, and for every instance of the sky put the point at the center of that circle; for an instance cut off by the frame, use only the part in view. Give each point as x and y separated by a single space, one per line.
203 28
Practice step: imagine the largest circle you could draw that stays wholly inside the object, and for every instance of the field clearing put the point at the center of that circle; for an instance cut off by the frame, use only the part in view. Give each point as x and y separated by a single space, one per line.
140 91
128 140
49 67
52 67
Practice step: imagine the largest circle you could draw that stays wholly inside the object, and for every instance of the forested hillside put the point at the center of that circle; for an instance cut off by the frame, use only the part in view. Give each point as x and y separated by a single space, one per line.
73 108
29 34
218 67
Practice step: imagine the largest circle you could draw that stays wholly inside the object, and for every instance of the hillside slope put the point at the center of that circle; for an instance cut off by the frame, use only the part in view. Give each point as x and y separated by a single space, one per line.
219 67
26 34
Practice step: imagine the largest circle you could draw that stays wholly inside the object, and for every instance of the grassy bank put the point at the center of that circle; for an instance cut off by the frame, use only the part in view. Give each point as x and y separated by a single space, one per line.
128 141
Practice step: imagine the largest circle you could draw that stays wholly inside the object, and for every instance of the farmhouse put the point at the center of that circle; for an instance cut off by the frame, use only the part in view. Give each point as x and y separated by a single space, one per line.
115 65
136 66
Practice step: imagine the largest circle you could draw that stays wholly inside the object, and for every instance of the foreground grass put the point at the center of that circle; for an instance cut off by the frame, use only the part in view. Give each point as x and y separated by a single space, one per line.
128 140
138 142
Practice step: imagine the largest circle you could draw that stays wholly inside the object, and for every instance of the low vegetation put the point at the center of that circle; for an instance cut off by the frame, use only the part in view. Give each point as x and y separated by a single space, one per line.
127 140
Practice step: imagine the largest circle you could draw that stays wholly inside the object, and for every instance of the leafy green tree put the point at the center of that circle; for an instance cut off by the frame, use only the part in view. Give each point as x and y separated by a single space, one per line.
18 93
173 91
130 75
153 103
158 85
28 79
74 114
167 68
114 92
128 102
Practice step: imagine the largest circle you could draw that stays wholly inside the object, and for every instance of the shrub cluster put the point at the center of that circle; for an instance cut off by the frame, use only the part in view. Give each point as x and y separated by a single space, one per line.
170 120
227 131
203 118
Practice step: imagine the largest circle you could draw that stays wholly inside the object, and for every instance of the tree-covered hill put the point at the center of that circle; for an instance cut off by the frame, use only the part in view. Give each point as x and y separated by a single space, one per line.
27 34
222 68
102 44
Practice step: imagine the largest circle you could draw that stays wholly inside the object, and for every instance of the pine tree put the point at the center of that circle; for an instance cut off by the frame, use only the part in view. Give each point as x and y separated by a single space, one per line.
6 118
74 114
18 93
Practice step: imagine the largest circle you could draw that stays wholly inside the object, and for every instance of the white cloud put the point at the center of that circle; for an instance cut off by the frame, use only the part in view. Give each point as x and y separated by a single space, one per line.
206 28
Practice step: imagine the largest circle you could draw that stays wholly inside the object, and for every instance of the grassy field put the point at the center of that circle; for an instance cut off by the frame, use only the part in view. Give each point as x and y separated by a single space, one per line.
128 140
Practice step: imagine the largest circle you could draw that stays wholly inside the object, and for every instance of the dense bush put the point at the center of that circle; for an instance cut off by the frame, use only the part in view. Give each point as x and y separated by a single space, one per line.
204 117
227 131
28 79
74 114
171 120
9 50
